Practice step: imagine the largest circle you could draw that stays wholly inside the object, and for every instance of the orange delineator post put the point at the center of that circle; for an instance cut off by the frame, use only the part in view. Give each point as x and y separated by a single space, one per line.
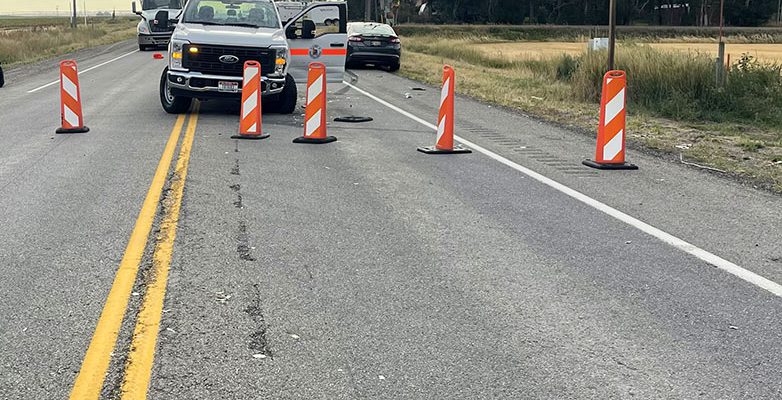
71 115
315 114
251 122
444 143
610 153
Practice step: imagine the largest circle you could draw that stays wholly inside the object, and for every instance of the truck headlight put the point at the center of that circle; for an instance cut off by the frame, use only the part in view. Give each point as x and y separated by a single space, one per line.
281 61
175 54
143 28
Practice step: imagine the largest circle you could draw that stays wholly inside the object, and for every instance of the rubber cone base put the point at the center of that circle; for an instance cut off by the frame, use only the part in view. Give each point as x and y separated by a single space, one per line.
353 119
83 129
597 165
251 137
306 140
435 150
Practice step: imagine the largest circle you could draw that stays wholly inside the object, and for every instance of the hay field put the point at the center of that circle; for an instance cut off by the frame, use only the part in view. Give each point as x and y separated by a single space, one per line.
547 50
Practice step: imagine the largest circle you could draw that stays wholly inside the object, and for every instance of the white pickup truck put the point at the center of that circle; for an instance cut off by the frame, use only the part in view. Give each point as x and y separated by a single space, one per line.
212 39
151 31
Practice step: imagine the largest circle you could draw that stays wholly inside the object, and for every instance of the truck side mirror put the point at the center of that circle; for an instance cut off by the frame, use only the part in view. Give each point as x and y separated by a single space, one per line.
161 20
133 7
290 31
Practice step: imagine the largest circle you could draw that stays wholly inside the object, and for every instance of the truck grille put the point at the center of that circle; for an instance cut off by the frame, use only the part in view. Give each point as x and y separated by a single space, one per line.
155 28
207 59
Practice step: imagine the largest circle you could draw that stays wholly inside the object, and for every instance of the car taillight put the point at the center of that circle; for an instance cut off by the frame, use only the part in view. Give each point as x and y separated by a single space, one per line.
395 40
356 39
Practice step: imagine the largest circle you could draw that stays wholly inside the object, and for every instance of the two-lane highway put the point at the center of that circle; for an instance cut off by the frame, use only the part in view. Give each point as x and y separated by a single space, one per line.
362 268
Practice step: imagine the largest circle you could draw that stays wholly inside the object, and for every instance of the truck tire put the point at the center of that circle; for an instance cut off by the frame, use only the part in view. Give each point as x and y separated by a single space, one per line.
172 104
142 47
286 102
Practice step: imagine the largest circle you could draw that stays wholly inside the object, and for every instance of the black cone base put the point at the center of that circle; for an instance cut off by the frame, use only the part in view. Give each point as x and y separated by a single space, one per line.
597 165
435 150
251 137
353 119
83 129
306 140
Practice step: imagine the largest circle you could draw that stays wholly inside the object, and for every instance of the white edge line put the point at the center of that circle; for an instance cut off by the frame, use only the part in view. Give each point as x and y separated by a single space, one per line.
680 244
81 72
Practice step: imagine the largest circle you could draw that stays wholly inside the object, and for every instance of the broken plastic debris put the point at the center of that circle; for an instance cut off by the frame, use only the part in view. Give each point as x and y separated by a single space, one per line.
735 328
259 356
408 96
684 146
295 336
381 377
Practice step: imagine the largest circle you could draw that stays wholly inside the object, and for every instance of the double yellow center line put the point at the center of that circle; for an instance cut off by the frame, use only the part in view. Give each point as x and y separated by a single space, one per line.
138 368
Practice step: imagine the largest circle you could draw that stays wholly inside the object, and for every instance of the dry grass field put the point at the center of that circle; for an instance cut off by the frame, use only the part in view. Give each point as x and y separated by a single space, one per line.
548 50
25 40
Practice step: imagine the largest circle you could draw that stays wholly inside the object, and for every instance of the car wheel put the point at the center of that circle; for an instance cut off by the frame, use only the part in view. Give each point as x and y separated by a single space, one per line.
142 47
394 67
172 104
286 103
2 78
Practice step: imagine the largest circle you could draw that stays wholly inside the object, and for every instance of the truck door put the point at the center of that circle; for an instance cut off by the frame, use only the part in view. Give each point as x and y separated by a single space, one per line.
314 38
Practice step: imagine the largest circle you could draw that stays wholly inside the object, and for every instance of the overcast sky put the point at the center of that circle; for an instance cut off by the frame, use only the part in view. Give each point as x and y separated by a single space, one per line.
51 5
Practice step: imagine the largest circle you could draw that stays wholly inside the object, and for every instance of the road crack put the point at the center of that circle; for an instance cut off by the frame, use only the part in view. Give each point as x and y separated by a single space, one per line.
259 343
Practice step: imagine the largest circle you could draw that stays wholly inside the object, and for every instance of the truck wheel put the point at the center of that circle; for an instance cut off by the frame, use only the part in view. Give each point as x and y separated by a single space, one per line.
286 104
142 47
172 104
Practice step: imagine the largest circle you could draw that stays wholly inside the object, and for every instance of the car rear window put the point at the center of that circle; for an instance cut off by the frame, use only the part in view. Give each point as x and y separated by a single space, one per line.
371 29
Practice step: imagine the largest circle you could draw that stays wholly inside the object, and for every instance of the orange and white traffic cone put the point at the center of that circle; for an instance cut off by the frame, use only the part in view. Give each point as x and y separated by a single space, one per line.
70 99
250 125
445 122
610 153
315 116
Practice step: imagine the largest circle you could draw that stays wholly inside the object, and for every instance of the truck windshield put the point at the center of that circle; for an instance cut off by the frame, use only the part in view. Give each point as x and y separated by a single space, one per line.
160 4
250 13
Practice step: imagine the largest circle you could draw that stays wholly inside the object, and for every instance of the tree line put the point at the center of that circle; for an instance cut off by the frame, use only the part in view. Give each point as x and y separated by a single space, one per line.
575 12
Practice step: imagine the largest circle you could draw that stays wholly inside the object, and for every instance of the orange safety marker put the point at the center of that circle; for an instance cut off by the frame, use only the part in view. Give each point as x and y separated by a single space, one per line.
250 125
445 122
70 99
610 153
315 115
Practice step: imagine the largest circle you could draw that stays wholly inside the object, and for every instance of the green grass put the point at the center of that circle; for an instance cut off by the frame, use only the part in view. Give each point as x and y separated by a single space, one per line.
25 40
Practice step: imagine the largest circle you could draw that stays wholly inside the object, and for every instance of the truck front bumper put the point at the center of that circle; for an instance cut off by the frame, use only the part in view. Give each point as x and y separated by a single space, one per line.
157 39
194 84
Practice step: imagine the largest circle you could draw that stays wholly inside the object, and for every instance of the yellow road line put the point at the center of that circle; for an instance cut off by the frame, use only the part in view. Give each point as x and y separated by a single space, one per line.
142 349
89 382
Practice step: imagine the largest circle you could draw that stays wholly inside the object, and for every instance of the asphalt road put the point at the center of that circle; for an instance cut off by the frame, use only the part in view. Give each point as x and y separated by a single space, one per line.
364 269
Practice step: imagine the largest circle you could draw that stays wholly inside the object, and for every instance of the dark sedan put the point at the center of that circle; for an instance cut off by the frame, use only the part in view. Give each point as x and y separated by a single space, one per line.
373 43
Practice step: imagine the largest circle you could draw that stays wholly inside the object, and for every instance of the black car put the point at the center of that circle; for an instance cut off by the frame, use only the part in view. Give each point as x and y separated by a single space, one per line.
373 43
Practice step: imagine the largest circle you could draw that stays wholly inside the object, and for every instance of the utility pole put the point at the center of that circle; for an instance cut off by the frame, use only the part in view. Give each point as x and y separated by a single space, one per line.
720 67
367 10
611 34
73 15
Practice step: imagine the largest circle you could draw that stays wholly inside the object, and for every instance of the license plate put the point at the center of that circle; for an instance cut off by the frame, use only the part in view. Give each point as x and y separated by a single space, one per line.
228 86
376 43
